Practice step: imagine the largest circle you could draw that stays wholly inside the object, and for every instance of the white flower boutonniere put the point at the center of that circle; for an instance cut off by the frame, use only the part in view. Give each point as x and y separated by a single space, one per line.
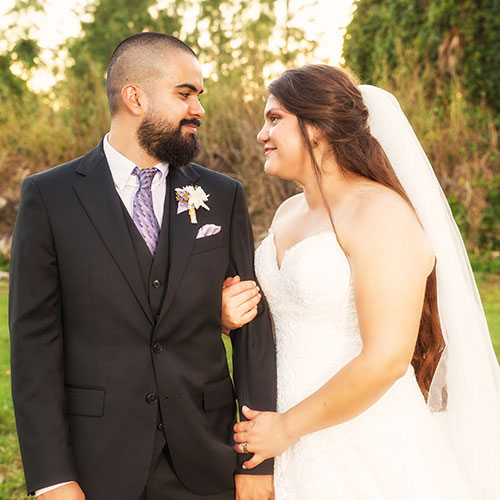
191 198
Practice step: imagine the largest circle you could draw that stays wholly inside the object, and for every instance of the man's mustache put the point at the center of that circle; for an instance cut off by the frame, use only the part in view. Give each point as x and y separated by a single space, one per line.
192 121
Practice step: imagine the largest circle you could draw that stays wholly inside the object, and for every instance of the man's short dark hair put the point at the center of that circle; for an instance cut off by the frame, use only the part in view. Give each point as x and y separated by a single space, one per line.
136 60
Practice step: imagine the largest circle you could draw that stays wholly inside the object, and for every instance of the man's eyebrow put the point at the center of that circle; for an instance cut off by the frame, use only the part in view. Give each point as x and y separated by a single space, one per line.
189 86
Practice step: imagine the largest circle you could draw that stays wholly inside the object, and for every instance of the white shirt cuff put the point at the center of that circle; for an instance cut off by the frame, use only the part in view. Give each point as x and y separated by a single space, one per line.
50 488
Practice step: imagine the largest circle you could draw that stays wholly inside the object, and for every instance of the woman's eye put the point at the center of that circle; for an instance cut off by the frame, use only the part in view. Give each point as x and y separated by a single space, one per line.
274 118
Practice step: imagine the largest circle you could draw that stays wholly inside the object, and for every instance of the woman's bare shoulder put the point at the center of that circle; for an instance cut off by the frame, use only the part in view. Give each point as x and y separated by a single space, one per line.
379 219
287 208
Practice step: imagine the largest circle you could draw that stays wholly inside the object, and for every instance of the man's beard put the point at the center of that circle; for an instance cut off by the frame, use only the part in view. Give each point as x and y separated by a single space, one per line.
161 140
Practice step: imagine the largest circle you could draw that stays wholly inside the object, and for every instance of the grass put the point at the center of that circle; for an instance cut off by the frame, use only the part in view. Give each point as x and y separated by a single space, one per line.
489 287
11 476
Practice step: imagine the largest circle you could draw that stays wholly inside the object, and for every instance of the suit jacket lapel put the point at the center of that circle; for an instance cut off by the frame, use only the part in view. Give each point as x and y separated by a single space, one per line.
100 200
182 234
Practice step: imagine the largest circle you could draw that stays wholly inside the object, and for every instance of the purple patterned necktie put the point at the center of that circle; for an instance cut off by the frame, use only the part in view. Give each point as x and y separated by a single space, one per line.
143 214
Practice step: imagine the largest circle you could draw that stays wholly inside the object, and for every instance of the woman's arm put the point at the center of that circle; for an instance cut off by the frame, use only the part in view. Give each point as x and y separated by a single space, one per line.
390 260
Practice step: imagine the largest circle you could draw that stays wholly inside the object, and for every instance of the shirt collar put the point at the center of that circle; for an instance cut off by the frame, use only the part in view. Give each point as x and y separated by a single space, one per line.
121 167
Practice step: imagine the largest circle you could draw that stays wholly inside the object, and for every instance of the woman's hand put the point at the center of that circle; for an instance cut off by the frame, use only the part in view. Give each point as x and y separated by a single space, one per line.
265 435
239 303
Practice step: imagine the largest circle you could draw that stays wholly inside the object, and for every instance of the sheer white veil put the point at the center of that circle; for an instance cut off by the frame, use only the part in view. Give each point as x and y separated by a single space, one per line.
467 381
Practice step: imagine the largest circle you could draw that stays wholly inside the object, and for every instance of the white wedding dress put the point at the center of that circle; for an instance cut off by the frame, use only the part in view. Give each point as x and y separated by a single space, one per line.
392 451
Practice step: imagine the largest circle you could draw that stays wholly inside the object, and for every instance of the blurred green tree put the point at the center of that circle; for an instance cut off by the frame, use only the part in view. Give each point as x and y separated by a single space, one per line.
22 51
112 21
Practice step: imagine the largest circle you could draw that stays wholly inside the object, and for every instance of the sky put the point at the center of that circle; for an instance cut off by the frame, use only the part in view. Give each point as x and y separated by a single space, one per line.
324 22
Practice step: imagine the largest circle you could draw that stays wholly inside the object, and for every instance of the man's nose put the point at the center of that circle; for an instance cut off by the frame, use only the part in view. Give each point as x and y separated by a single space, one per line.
197 109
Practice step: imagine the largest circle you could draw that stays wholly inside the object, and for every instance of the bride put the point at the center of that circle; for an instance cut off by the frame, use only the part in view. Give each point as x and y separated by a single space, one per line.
380 394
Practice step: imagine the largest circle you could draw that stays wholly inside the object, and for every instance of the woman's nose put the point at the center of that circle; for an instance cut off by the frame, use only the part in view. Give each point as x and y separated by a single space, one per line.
263 135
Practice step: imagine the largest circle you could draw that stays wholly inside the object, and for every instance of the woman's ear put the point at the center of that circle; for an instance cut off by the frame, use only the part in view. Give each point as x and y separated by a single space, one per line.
315 135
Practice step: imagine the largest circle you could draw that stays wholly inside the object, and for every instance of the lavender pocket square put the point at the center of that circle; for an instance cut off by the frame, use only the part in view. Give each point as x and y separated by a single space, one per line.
208 230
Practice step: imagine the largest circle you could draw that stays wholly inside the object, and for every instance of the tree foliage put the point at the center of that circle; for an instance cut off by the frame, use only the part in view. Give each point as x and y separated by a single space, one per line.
461 37
112 21
236 40
22 50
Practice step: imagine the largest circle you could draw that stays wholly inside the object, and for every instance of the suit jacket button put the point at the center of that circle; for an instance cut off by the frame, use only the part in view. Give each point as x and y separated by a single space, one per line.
160 426
157 347
152 398
156 283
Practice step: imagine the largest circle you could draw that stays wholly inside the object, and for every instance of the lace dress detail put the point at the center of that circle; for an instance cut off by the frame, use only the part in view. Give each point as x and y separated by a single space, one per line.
393 450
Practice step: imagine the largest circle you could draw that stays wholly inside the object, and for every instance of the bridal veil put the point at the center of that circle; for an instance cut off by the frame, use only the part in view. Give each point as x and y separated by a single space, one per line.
465 392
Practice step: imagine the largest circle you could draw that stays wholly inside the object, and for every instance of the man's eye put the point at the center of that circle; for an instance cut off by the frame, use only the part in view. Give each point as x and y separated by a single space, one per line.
185 94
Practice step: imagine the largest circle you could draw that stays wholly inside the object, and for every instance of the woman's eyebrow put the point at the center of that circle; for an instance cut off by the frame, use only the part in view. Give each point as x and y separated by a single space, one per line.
271 111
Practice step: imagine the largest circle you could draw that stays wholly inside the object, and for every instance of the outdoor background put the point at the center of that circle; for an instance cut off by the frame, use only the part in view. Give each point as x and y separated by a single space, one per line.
441 58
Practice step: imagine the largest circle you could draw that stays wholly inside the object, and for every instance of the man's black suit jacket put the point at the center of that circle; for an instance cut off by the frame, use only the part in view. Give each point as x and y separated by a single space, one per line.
82 332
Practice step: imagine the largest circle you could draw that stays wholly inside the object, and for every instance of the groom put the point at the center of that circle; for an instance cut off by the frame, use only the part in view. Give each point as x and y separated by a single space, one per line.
119 378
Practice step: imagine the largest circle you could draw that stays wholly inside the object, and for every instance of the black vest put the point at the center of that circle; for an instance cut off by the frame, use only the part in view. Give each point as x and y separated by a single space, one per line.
154 271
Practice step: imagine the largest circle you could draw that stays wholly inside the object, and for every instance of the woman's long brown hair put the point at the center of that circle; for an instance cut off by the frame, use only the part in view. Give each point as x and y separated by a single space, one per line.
329 99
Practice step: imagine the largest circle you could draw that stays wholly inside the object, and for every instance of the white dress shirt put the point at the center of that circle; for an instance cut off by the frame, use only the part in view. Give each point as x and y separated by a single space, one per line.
126 186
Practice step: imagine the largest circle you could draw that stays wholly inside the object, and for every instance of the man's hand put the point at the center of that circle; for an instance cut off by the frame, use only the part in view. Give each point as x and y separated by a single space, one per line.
239 303
254 487
69 491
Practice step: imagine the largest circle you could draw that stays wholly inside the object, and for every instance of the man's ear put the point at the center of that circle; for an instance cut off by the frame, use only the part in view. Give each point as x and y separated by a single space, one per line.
134 99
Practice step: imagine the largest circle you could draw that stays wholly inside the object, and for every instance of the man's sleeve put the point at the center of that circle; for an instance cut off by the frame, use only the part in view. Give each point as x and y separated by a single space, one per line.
254 360
36 346
50 488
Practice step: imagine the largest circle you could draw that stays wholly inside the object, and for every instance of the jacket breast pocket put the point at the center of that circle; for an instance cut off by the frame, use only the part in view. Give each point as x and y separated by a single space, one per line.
218 394
208 243
84 401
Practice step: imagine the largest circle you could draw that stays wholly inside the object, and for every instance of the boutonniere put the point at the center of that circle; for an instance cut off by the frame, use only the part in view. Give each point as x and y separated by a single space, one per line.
191 198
